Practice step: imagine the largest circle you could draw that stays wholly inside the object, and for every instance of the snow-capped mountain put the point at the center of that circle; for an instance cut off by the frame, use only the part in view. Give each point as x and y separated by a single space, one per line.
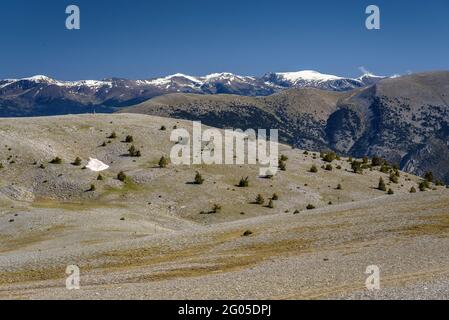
314 79
42 95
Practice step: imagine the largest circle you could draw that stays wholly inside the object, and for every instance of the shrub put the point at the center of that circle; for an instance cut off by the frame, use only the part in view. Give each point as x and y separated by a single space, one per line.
270 204
429 176
216 208
77 161
163 128
384 168
339 167
275 197
329 167
92 187
56 160
259 199
306 152
113 135
296 211
356 166
198 178
394 178
247 233
412 190
129 139
103 144
439 183
339 187
365 160
377 161
42 166
424 185
284 158
163 162
121 176
329 157
134 152
282 165
314 169
390 191
310 207
100 177
1 165
244 182
381 185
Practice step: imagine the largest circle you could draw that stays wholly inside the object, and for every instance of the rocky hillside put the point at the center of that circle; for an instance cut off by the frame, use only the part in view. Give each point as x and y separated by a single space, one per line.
404 119
143 229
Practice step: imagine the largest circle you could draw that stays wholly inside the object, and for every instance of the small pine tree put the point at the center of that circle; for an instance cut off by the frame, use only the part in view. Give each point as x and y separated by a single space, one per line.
329 157
284 158
259 199
282 165
310 207
356 166
198 178
314 169
244 182
216 208
394 178
134 152
429 176
270 204
129 139
121 176
77 161
382 186
390 191
377 161
275 197
339 187
412 190
113 135
56 160
423 185
328 167
163 162
92 187
163 128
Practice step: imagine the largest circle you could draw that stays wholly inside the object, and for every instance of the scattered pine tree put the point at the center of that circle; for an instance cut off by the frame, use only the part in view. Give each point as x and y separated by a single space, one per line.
198 179
163 162
382 186
259 199
244 182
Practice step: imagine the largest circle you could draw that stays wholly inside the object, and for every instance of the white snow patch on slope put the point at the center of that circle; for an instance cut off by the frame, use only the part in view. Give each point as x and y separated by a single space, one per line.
96 165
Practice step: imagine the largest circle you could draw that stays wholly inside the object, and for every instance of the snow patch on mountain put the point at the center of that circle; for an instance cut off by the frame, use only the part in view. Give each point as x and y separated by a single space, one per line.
306 75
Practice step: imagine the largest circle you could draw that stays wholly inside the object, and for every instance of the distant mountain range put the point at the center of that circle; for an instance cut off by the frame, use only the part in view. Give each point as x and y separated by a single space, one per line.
404 119
41 95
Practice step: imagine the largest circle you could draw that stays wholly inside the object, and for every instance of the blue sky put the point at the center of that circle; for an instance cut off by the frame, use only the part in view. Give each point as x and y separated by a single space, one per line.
141 39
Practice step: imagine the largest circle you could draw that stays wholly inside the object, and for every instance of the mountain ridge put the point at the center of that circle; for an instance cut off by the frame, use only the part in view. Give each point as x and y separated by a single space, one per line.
398 118
41 95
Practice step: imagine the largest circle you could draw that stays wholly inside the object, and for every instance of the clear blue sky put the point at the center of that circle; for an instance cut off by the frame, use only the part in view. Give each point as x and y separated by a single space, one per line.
140 39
